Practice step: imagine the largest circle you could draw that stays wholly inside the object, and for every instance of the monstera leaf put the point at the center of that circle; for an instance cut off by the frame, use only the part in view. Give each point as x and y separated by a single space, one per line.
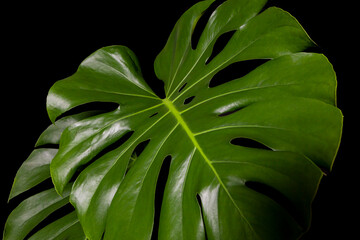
218 186
33 210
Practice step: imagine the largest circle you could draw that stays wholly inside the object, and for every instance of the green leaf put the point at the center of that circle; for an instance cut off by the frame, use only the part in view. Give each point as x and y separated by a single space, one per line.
53 133
67 227
33 210
34 170
218 187
107 66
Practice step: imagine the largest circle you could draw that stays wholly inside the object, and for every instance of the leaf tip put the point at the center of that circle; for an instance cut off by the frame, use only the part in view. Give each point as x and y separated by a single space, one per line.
58 184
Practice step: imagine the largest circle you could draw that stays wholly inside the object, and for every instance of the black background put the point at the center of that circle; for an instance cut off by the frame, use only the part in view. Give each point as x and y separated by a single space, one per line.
42 43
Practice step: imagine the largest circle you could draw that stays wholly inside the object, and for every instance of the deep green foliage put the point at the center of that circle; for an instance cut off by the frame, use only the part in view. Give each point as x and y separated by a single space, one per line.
218 187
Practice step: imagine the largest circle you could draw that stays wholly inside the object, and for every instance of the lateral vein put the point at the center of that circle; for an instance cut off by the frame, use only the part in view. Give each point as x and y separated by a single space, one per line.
190 134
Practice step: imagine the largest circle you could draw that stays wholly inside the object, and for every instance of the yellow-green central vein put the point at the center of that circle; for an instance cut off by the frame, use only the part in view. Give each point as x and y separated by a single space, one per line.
191 135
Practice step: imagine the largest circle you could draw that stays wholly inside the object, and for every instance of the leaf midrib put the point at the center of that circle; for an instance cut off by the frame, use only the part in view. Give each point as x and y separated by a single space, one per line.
191 135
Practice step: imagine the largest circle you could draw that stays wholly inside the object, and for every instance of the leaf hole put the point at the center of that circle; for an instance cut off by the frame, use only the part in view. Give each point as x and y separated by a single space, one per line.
250 143
188 100
45 184
48 145
314 49
104 151
115 144
220 44
231 111
278 197
200 25
182 87
159 194
141 147
136 153
153 115
198 199
93 106
57 214
235 71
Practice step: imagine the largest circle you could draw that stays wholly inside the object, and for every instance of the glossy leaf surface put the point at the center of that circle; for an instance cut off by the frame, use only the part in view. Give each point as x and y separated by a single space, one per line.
246 155
35 209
